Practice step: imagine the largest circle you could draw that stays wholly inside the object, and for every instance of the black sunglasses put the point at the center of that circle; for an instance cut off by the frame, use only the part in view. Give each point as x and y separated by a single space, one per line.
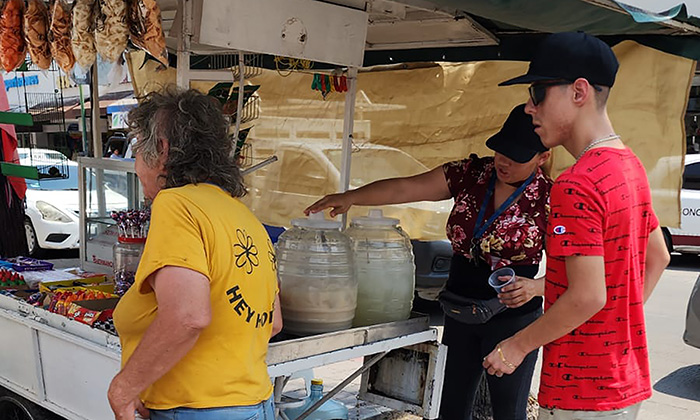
539 91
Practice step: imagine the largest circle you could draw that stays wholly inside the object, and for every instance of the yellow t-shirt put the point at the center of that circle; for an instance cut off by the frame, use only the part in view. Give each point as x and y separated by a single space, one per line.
203 228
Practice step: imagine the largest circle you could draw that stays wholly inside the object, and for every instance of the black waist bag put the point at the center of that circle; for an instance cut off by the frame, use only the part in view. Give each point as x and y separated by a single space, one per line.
469 310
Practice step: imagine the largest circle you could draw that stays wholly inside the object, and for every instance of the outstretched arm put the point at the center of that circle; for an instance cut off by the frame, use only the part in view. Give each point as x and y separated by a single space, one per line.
428 186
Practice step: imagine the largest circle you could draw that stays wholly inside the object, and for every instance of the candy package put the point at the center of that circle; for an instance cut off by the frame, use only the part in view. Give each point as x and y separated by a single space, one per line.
83 40
60 29
36 33
146 29
12 42
111 30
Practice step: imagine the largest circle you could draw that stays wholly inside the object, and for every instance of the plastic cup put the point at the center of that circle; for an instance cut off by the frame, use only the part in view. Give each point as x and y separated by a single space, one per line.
501 272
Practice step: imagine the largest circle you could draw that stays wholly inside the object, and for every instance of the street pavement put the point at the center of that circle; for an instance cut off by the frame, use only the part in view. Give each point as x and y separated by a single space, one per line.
675 366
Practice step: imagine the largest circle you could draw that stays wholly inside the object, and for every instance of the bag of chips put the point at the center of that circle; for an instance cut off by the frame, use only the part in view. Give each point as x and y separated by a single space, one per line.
12 42
83 39
111 30
146 29
60 30
36 33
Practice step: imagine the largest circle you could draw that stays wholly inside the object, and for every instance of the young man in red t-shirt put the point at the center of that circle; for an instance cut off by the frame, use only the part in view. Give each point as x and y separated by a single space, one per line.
605 249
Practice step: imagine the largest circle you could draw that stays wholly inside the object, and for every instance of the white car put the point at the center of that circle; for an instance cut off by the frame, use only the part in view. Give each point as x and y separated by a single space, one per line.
687 238
52 210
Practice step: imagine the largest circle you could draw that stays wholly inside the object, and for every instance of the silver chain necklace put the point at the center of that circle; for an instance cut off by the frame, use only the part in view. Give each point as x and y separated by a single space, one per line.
596 142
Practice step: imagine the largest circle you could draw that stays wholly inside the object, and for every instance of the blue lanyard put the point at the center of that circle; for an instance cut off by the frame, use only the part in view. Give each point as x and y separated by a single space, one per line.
479 228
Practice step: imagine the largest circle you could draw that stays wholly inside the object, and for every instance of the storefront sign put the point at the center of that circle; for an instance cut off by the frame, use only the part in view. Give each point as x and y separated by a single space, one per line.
21 81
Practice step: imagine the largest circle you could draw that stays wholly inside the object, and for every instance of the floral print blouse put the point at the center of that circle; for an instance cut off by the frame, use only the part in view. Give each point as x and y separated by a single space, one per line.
517 236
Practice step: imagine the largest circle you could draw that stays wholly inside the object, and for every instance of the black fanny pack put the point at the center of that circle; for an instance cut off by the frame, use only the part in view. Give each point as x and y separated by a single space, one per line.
469 310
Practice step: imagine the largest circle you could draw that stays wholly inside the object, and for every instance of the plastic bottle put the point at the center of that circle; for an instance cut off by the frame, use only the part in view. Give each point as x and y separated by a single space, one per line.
318 290
384 267
330 410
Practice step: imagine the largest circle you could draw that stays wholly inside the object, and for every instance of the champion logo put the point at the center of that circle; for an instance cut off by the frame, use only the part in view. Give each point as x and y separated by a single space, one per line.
559 230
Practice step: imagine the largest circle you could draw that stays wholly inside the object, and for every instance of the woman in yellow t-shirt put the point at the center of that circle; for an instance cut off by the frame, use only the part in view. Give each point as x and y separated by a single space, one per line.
195 326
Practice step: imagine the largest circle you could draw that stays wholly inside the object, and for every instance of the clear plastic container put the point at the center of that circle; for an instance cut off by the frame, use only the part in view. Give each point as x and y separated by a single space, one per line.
330 410
384 267
318 289
126 256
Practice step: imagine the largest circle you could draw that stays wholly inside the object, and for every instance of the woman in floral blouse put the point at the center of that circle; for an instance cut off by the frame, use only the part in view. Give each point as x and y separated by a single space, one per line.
513 182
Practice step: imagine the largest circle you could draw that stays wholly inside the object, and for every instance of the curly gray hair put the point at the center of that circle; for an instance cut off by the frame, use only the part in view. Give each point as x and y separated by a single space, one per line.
200 149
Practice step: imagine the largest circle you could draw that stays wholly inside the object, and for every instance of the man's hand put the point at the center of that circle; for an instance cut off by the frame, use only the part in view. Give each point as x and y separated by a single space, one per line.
340 203
504 359
123 401
521 291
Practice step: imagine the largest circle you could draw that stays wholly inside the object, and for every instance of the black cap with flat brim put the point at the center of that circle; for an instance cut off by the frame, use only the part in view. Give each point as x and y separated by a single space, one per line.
517 139
569 56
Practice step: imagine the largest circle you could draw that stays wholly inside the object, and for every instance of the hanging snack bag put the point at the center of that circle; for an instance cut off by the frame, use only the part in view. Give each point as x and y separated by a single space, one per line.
60 29
111 31
83 40
36 33
11 39
146 29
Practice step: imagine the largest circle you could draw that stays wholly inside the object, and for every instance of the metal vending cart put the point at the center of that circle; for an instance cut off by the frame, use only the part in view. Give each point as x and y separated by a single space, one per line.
54 363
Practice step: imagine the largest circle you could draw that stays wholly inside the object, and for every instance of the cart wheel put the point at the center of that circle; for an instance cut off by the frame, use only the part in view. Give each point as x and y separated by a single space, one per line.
14 407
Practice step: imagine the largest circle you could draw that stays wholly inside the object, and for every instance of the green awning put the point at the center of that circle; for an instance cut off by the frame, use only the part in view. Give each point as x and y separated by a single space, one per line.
519 24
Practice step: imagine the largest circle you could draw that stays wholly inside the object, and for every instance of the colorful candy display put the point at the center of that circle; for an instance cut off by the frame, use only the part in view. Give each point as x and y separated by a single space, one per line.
123 280
132 223
25 264
10 278
60 301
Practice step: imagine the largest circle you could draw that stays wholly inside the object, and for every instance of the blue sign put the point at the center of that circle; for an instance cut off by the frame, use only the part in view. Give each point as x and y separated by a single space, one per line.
21 81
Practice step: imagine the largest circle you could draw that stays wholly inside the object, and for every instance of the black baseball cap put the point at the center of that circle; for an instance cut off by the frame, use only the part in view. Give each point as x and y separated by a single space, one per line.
517 139
569 56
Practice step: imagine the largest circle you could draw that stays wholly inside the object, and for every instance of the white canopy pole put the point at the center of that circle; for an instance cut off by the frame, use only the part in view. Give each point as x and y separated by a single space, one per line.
239 105
95 114
183 44
348 126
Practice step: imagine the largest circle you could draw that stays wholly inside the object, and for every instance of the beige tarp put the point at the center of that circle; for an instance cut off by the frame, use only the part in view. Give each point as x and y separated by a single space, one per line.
432 114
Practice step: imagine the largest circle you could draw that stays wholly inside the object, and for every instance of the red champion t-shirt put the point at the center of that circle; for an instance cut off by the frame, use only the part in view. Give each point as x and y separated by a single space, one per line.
600 206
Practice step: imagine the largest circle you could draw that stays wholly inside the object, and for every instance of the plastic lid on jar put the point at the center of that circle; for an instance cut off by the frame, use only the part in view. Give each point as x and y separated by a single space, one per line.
317 221
128 239
375 217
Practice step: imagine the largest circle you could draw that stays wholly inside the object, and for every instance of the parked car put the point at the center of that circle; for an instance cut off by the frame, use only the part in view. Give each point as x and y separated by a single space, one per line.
692 318
27 155
687 238
52 211
307 170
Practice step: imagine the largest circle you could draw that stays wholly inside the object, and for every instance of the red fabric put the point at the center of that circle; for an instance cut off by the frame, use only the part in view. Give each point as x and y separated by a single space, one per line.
9 144
9 151
517 235
601 206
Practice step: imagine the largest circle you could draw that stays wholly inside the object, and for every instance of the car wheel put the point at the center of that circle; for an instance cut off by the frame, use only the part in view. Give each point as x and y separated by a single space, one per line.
667 239
32 243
